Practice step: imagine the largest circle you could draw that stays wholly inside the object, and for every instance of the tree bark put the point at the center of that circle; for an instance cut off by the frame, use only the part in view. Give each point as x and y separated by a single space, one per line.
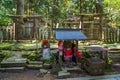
19 23
20 7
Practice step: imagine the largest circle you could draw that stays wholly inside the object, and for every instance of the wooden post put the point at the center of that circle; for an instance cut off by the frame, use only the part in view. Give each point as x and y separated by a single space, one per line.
100 37
119 35
116 35
108 38
35 33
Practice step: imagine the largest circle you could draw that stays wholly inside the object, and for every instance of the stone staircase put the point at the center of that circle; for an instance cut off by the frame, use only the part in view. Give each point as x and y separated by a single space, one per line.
114 53
34 65
16 65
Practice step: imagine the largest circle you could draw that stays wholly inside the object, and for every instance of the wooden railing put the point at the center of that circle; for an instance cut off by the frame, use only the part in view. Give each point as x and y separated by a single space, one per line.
109 35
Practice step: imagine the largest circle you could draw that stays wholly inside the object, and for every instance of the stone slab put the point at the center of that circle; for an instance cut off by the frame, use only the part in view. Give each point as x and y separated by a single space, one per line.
21 60
36 62
103 77
31 66
42 72
47 66
13 64
63 73
12 69
73 69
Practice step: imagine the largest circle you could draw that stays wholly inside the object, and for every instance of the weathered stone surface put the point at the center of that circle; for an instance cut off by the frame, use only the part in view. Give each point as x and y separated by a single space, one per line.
47 66
12 69
43 72
33 66
21 60
72 69
36 62
104 77
62 74
14 62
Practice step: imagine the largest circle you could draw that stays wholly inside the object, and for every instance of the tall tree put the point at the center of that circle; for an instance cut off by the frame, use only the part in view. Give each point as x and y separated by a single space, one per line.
20 7
19 23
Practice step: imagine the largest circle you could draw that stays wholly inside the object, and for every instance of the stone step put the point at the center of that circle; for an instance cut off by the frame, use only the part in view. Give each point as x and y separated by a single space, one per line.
21 60
102 77
31 66
47 66
114 49
63 74
36 62
116 59
42 72
115 55
72 69
114 52
12 69
13 64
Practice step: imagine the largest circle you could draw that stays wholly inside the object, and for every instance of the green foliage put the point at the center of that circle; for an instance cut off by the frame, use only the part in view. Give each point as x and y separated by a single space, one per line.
5 53
32 56
113 8
109 60
59 9
6 7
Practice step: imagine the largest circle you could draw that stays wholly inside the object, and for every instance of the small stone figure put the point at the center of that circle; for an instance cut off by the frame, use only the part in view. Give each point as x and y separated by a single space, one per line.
68 55
60 49
46 50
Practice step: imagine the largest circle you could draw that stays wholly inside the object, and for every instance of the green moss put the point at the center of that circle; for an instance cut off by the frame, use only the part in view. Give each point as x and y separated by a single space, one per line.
32 56
4 44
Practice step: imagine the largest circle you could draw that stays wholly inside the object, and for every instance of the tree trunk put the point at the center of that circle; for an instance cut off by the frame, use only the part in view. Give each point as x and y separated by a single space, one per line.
20 7
19 23
55 12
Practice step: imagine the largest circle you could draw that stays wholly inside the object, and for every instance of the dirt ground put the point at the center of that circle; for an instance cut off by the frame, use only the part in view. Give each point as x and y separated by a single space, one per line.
33 74
26 75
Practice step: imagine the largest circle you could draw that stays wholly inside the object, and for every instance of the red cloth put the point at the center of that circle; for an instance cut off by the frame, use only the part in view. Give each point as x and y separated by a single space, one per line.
45 41
60 46
77 53
68 52
59 42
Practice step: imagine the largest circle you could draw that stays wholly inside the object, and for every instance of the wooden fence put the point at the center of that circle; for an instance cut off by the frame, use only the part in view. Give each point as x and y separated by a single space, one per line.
8 33
109 35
